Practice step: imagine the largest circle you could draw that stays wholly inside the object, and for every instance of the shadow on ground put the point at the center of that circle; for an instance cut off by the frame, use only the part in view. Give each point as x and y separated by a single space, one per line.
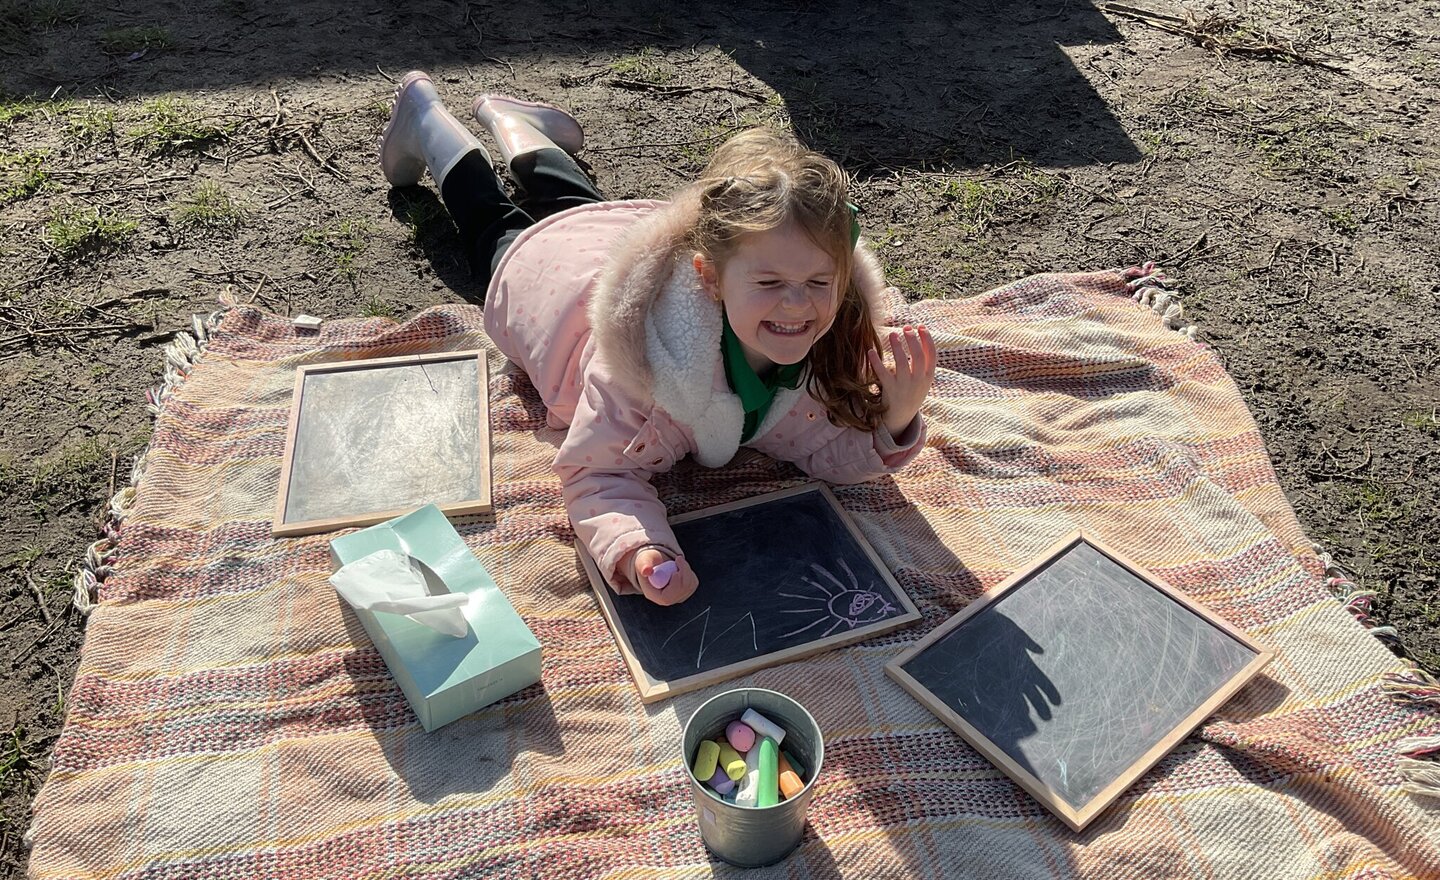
975 84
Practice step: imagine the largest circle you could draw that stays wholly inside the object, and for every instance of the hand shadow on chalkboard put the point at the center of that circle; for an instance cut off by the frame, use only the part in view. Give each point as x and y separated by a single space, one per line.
1003 710
466 756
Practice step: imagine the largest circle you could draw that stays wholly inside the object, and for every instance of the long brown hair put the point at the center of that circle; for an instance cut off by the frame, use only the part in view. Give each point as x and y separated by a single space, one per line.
759 180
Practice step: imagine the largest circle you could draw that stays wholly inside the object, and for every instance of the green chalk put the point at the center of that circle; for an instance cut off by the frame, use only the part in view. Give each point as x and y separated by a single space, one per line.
769 771
795 765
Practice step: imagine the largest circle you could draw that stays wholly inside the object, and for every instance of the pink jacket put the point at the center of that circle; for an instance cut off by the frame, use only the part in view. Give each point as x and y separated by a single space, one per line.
601 307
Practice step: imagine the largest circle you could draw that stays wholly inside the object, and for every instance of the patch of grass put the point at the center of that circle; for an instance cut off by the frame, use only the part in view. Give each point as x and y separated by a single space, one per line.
1426 423
77 233
1342 220
1308 143
171 125
20 18
15 759
22 175
647 65
87 125
71 474
375 307
1018 193
1381 503
913 286
1402 291
424 219
209 208
11 476
342 242
127 40
13 109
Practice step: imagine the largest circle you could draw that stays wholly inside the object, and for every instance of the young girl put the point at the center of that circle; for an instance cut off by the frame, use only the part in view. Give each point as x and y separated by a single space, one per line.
742 312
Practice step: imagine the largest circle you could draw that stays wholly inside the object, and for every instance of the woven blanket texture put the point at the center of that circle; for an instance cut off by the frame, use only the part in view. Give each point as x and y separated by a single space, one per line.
231 719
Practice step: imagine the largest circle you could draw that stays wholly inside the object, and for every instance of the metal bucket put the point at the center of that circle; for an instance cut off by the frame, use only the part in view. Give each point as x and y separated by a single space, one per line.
752 837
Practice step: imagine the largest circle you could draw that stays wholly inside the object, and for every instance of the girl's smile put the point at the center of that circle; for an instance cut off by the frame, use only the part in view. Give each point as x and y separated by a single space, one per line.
778 288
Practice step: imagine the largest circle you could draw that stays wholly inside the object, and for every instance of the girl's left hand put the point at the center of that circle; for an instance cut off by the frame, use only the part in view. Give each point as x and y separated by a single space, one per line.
904 388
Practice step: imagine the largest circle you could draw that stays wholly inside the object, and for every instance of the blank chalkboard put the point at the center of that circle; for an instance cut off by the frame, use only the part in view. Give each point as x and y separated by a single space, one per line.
372 439
1078 674
782 576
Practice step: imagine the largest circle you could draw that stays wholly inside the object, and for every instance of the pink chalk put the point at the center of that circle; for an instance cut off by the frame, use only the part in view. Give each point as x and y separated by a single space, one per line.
721 782
741 737
661 574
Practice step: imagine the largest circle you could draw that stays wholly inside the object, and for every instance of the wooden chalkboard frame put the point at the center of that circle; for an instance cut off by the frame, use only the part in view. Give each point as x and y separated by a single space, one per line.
1077 816
481 504
653 689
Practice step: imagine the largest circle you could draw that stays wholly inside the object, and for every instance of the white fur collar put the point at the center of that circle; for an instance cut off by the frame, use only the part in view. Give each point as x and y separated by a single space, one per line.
682 344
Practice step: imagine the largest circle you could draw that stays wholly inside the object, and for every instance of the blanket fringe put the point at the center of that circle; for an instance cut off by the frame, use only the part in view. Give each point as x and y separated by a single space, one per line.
1150 286
1421 777
180 356
1418 765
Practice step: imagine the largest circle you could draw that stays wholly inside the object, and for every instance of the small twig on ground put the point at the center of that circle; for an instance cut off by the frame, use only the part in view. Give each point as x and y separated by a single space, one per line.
1304 297
114 465
1221 35
325 164
38 593
507 65
1199 246
636 85
28 281
36 642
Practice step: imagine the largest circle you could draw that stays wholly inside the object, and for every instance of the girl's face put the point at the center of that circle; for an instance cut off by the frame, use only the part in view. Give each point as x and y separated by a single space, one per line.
778 288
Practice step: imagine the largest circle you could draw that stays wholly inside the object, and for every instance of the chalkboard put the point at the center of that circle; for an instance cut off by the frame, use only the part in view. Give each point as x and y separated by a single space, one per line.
1078 674
782 576
370 440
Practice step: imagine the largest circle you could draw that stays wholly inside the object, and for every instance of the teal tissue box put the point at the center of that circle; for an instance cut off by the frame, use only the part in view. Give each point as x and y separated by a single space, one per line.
445 678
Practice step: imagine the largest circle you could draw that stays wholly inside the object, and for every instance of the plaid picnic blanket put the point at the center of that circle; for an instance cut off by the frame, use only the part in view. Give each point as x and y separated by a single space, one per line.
230 719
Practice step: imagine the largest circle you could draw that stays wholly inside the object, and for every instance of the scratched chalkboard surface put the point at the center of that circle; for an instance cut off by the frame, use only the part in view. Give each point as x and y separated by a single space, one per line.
782 576
1081 673
371 439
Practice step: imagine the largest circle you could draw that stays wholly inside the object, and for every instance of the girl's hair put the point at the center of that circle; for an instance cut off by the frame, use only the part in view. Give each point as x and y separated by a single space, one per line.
758 181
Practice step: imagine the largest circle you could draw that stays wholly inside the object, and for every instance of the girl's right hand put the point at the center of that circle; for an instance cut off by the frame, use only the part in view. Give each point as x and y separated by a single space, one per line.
682 583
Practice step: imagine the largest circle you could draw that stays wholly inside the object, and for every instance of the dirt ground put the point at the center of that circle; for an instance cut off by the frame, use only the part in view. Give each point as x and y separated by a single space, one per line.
1278 157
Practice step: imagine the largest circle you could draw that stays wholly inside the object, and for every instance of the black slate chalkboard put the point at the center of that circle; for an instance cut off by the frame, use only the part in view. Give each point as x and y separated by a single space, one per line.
1078 675
782 576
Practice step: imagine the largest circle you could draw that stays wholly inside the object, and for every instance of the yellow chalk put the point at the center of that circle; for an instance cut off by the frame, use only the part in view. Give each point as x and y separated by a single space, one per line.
731 762
706 757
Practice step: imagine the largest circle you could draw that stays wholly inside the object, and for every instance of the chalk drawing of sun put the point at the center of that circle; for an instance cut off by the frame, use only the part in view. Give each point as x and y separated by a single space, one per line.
840 604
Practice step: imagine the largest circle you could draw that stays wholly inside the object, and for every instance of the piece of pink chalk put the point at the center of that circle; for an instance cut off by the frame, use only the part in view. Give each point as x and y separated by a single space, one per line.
661 574
721 782
740 736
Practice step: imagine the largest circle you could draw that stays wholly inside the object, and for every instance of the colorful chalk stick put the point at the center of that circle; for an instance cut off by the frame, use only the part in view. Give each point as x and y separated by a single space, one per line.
730 760
706 756
661 574
741 737
768 771
763 726
748 791
794 763
722 783
790 782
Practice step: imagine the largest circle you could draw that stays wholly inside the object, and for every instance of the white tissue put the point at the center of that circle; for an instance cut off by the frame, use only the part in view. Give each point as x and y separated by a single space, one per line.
394 583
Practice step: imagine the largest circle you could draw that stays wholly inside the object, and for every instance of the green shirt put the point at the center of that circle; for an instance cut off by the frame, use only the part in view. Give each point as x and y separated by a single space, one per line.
756 394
